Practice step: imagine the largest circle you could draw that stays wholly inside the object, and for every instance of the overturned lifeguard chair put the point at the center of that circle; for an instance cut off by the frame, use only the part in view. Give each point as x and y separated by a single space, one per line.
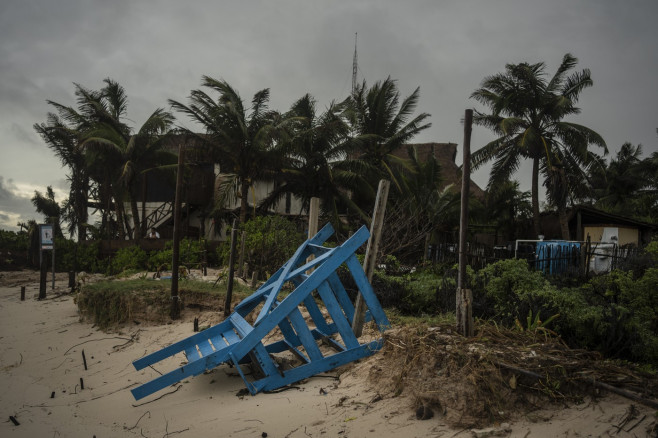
235 341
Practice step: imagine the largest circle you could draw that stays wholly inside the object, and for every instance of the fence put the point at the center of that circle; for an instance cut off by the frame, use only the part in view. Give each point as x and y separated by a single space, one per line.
572 259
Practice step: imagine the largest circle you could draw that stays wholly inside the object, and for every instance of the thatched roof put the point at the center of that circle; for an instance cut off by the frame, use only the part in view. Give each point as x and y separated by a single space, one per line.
445 154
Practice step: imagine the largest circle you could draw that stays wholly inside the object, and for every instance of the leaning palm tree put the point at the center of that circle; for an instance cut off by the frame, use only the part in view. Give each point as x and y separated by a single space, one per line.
90 176
316 161
381 124
241 140
62 140
51 210
132 155
527 114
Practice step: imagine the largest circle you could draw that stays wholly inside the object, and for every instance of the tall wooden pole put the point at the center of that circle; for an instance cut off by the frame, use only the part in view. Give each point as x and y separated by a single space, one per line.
376 226
43 278
313 215
175 299
464 311
231 270
243 242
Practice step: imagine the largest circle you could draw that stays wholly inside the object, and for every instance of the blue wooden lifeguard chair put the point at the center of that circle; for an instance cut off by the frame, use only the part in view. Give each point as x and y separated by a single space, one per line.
235 341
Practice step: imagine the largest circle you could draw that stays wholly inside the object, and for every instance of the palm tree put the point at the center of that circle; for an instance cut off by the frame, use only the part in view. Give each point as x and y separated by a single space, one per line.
90 176
316 162
242 140
132 154
506 205
381 124
46 205
62 139
527 114
626 185
422 207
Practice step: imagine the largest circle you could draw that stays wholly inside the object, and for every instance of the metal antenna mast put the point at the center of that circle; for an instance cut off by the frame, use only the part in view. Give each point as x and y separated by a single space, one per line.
354 64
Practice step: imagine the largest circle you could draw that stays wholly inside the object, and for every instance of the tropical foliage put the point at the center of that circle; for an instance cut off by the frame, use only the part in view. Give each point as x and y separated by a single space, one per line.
627 184
527 113
241 140
106 160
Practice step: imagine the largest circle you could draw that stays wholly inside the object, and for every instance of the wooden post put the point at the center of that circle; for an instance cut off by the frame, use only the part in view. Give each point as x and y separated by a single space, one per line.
52 254
313 215
43 279
231 270
371 252
175 299
464 311
22 293
242 270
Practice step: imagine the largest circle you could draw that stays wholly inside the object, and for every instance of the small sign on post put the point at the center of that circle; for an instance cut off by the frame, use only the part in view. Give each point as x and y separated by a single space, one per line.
46 243
46 240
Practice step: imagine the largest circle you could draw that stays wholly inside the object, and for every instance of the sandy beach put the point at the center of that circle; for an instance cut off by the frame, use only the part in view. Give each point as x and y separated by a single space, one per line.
46 389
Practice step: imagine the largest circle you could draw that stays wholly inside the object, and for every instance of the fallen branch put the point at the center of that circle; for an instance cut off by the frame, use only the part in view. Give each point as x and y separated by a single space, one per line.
94 340
596 383
140 419
105 395
156 399
629 395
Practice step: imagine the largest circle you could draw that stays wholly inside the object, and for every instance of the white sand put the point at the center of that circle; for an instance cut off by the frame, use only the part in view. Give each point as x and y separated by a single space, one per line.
41 345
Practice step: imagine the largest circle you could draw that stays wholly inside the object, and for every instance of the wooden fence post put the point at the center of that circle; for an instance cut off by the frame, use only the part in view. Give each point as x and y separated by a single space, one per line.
231 270
43 279
464 311
175 299
376 226
313 216
241 268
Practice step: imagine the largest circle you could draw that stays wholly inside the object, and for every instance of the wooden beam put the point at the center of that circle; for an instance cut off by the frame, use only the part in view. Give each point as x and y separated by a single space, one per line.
175 300
464 311
371 252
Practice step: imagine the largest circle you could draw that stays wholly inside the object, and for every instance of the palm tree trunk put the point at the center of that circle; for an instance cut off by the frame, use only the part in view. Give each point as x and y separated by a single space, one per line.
244 200
564 222
80 208
118 209
135 213
535 196
144 193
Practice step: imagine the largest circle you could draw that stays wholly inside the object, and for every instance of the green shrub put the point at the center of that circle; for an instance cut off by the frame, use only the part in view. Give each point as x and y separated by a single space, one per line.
190 255
270 241
132 257
621 315
612 313
14 241
78 256
515 290
161 260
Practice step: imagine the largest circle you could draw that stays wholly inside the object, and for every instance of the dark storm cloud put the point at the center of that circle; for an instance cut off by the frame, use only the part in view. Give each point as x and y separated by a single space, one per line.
14 206
160 50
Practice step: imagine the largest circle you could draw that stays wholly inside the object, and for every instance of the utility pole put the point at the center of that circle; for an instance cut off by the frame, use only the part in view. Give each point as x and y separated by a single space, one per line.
175 299
231 270
464 309
355 64
376 226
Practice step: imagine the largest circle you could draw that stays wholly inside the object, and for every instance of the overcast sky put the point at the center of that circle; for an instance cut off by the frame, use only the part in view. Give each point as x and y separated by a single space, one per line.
160 49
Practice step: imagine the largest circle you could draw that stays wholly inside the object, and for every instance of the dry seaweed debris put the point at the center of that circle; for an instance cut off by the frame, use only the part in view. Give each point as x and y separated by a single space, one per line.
498 372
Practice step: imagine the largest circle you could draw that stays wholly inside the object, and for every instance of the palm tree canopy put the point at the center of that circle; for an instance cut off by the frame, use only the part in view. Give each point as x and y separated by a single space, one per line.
242 140
382 123
527 112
